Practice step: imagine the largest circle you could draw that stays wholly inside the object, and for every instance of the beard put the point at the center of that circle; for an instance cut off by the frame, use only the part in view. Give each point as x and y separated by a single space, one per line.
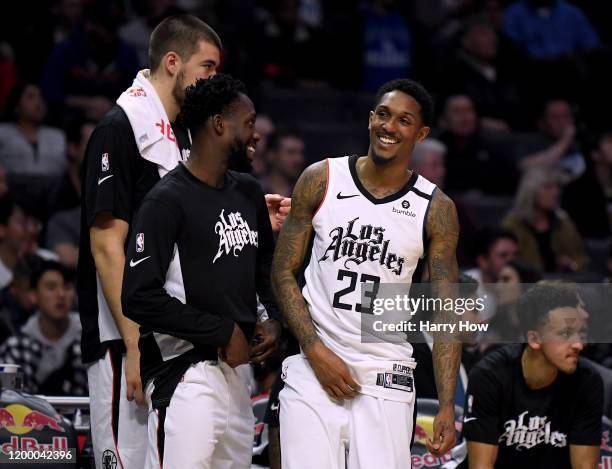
237 157
380 161
178 92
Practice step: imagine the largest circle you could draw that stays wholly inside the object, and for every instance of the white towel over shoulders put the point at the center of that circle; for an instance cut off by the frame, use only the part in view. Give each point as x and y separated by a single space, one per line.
152 131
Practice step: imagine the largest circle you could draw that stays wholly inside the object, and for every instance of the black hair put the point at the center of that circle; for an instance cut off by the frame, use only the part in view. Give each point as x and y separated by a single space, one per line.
26 265
547 100
209 97
44 267
535 304
486 238
181 34
275 139
526 274
13 98
414 89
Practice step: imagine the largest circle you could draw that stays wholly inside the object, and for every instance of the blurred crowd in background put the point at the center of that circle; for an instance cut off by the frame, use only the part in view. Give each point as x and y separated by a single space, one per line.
522 141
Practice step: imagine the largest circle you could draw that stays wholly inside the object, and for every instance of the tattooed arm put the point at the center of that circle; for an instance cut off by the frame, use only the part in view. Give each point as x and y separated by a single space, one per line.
291 250
443 233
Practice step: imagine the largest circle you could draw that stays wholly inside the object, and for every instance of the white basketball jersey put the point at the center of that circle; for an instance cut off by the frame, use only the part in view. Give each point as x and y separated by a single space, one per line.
360 239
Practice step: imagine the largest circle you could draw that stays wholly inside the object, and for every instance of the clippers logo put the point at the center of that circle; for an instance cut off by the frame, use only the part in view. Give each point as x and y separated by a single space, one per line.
105 163
109 460
234 234
526 432
140 242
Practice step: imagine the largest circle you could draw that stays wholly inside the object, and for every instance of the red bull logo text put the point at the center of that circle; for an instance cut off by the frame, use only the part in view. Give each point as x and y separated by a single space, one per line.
19 419
428 460
24 443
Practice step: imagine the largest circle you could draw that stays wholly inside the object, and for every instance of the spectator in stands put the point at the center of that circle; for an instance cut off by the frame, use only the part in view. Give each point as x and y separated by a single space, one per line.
264 127
536 404
63 236
27 146
33 232
285 158
473 164
67 192
47 347
480 74
387 44
495 247
3 182
17 299
67 15
594 186
13 238
555 146
91 67
136 32
429 160
549 29
547 237
288 47
514 278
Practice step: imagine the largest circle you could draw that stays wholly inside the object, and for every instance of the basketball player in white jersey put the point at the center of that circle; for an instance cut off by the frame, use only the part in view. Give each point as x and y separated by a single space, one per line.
347 403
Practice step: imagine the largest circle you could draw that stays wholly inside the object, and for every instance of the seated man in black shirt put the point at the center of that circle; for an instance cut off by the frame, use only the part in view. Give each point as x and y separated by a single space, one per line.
537 405
199 255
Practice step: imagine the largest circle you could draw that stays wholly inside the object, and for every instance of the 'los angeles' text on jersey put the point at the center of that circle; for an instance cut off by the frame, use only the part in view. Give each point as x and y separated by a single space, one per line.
355 244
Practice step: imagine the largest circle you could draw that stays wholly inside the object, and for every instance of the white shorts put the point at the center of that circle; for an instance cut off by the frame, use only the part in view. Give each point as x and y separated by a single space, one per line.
118 426
361 433
209 423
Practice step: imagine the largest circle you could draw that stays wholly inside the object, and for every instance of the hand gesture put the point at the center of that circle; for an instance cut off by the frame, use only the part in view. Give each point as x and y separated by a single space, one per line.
443 433
332 372
236 351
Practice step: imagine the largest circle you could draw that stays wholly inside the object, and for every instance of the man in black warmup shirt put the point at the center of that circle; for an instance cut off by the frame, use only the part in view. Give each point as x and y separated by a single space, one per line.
537 405
199 254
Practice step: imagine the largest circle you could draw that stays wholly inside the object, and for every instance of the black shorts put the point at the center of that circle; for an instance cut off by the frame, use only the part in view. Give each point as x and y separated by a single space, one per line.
273 410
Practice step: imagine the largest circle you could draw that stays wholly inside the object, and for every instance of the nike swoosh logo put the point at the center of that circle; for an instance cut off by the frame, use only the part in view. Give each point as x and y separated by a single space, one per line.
469 419
100 181
340 196
134 264
274 406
